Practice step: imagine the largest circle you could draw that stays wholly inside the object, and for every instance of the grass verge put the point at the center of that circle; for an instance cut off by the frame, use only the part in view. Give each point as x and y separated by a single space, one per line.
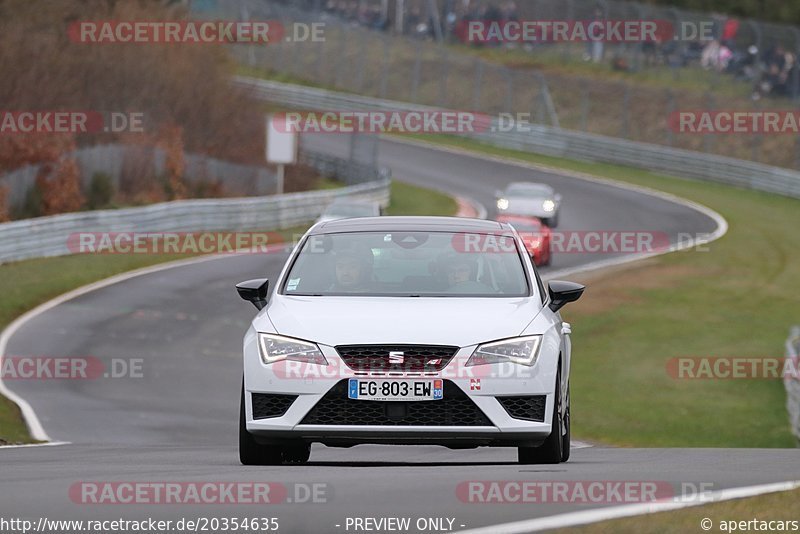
26 284
410 199
770 507
735 300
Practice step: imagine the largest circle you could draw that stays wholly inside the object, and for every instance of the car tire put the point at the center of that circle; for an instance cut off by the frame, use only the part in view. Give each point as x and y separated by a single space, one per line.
250 451
550 451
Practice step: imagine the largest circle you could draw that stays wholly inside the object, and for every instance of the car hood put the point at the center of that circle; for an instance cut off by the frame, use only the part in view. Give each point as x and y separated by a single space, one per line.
425 320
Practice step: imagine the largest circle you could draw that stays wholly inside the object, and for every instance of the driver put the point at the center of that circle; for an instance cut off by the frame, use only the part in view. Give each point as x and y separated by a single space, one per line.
461 273
458 272
353 269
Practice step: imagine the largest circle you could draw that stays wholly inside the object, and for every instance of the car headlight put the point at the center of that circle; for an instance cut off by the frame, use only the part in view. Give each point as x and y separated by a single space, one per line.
274 348
521 350
502 203
548 205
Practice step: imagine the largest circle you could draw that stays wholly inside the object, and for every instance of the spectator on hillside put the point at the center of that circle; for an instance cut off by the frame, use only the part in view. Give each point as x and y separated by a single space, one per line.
715 56
778 66
729 31
594 49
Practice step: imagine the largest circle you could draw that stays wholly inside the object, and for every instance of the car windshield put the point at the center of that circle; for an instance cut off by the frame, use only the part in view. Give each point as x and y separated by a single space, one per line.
528 190
408 264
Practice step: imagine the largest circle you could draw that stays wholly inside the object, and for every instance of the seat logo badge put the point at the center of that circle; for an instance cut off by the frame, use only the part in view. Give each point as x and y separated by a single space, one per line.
435 361
475 384
397 357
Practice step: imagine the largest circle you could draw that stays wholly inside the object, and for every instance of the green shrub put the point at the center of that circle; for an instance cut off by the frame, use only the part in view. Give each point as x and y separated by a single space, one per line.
101 191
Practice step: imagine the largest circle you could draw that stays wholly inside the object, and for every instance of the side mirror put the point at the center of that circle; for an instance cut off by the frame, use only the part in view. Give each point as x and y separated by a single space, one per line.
254 291
562 293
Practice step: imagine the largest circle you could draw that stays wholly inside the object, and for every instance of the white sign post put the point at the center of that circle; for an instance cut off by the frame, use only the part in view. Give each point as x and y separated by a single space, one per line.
281 145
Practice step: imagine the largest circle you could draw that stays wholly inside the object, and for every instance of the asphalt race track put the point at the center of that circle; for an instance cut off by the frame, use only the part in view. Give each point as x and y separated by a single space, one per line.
178 422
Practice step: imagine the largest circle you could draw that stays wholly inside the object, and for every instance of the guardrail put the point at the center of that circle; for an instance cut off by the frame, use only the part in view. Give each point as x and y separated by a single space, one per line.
557 141
792 382
48 236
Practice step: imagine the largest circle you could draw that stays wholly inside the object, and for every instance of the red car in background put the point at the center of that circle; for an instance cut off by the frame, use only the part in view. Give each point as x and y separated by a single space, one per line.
536 236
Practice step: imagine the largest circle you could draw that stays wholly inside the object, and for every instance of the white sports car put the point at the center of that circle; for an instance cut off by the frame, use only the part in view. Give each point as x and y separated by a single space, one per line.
407 330
530 199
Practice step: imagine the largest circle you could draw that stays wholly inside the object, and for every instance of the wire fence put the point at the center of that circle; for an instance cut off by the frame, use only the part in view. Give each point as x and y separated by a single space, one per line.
637 101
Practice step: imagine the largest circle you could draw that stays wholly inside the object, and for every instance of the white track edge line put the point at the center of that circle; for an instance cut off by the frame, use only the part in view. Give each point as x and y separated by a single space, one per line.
583 517
28 445
32 421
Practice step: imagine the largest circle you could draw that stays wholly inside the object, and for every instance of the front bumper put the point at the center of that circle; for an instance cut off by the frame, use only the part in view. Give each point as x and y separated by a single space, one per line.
480 385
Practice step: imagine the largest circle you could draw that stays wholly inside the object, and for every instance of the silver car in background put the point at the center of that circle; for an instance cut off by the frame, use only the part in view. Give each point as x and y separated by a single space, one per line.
407 330
530 199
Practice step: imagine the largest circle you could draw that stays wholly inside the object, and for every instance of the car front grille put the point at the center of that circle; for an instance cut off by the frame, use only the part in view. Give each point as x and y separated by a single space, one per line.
405 358
454 409
528 407
266 405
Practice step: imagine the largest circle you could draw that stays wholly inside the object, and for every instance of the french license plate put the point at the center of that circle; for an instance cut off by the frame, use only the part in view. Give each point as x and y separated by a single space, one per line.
395 390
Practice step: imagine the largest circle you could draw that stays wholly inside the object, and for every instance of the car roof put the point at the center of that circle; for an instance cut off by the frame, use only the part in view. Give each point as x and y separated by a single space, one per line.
408 224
